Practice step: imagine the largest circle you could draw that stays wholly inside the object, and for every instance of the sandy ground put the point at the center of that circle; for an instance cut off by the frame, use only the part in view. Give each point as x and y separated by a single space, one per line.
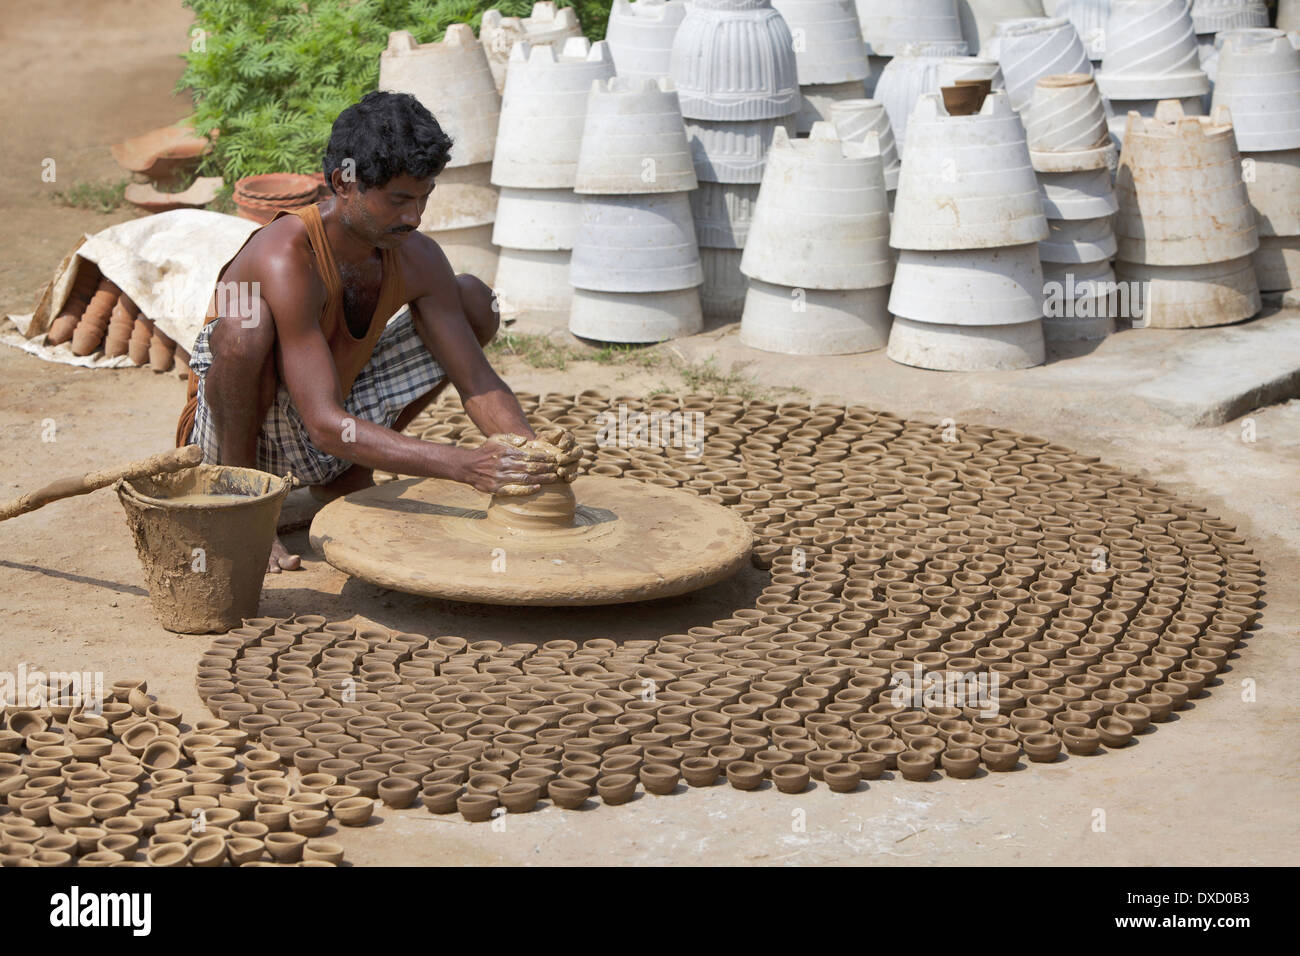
1215 787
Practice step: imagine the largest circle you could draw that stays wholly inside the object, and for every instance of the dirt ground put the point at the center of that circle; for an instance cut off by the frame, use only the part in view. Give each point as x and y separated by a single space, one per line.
1217 786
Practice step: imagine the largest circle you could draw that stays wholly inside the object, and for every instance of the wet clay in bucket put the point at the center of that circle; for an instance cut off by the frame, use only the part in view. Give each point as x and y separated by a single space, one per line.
204 537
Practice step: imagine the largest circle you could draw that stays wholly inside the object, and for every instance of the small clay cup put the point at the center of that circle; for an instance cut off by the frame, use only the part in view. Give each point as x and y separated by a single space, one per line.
960 762
242 850
398 792
441 797
285 847
1000 756
354 811
700 771
322 850
308 823
659 779
1115 732
616 788
845 777
915 765
872 765
791 777
519 797
477 807
1081 741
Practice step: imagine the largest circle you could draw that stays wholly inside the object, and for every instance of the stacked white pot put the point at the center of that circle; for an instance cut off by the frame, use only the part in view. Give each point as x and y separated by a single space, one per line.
640 35
1089 18
1071 151
1213 17
1185 225
1151 55
818 255
968 218
538 144
733 63
889 27
1288 15
856 121
830 57
912 73
1029 49
635 267
978 18
452 80
545 26
1259 82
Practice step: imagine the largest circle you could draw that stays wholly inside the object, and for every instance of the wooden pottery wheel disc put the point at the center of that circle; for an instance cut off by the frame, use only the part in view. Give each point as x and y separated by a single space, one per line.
624 541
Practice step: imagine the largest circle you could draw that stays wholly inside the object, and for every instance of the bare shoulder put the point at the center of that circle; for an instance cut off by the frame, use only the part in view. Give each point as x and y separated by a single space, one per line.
279 257
425 269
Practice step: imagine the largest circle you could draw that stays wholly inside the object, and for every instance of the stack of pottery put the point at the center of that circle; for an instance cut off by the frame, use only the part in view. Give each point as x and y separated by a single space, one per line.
1032 48
1150 55
640 35
979 17
1185 226
907 77
635 267
92 325
856 120
733 63
818 256
829 55
1259 82
1071 151
452 80
545 26
261 197
74 306
536 166
968 218
1213 17
1089 18
889 28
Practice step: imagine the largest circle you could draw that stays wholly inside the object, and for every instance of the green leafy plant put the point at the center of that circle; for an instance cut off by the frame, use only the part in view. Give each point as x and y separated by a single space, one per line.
272 75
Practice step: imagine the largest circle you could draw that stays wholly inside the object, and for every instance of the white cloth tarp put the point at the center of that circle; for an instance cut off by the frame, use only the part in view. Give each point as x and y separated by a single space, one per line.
166 263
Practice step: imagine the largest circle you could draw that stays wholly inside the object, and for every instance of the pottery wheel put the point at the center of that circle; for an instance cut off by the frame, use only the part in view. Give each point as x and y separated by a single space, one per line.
599 541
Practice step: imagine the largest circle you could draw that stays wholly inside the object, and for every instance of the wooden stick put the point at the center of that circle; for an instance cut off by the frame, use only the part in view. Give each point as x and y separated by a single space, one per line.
177 460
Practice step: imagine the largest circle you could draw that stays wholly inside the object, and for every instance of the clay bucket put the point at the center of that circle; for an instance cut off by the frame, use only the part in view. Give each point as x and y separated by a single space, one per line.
212 591
965 97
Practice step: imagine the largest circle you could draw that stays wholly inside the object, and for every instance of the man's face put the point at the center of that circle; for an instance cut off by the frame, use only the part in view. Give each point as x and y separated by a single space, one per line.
383 215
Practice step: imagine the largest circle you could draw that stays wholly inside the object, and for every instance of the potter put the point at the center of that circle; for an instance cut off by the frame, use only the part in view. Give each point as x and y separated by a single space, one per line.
308 375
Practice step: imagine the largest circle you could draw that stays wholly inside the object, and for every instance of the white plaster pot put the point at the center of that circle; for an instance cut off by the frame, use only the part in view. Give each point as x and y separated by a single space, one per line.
452 80
544 26
640 243
954 68
462 197
1259 81
1181 197
634 317
1151 52
732 152
1195 296
904 81
889 26
818 100
530 281
1078 241
967 348
1065 124
822 219
854 120
734 60
537 219
1089 18
1215 16
966 181
1031 49
1082 195
723 213
1273 185
797 321
722 295
1081 302
469 250
969 287
543 114
634 140
978 17
1277 263
828 45
1117 112
640 35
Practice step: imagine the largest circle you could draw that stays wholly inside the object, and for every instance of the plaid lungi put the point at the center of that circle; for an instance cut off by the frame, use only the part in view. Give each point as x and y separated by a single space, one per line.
400 371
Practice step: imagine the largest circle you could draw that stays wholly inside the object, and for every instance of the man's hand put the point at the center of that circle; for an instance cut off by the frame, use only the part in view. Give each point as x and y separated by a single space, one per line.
504 464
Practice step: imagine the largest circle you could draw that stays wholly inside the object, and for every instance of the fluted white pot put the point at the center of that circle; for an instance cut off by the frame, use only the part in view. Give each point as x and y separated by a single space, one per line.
1065 125
452 80
1259 81
1193 296
640 35
1151 52
546 25
635 317
534 282
966 181
1078 240
822 220
732 152
722 295
828 45
818 101
982 287
537 219
955 68
1216 16
1031 49
723 213
462 197
854 120
888 27
967 348
797 321
978 17
636 244
633 140
1082 195
734 60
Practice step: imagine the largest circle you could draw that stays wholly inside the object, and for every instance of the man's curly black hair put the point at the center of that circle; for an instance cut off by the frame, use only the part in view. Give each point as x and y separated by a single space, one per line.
386 135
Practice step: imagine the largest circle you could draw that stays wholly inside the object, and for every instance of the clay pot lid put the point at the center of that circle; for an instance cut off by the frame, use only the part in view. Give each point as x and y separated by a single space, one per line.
628 541
151 199
159 152
278 187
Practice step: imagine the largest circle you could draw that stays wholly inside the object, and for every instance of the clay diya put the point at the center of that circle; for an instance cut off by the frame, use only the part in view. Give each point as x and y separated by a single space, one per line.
1081 741
519 797
1042 748
477 807
700 771
960 762
915 765
616 788
843 777
659 779
791 777
745 775
1000 756
398 792
1114 731
285 847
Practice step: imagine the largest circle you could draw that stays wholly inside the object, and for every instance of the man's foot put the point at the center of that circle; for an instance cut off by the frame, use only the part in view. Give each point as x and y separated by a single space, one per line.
354 479
281 559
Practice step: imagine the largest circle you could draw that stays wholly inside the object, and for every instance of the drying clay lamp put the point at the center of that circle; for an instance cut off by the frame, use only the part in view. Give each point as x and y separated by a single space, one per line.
597 541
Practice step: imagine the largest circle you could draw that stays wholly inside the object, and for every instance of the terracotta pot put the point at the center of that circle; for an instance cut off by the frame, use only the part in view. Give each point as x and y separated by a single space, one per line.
916 765
1114 731
1000 756
169 854
1042 748
701 771
659 779
441 797
791 777
322 851
1081 741
243 850
285 847
519 797
353 811
398 792
616 788
568 794
844 777
960 762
